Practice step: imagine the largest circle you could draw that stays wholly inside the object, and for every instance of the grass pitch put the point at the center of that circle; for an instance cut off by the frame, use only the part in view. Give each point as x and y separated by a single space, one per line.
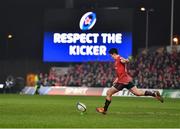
21 111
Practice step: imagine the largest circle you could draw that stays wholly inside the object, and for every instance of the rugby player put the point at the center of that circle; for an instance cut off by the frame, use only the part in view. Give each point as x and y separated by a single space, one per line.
123 80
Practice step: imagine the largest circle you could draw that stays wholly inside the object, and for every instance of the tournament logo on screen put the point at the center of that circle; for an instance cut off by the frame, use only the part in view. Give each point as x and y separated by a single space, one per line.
87 21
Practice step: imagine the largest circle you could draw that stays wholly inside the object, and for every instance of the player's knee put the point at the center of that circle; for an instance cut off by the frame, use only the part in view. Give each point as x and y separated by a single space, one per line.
108 93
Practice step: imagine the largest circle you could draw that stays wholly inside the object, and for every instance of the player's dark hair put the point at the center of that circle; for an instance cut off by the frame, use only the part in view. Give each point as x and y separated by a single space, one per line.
113 51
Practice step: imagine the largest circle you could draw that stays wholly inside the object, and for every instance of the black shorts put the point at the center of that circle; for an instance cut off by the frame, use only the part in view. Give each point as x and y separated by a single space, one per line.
120 86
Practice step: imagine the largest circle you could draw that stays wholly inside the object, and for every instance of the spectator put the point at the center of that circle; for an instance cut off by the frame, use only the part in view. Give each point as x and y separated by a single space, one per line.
150 70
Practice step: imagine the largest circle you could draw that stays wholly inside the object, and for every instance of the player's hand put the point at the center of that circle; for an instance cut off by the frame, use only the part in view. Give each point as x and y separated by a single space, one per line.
124 60
130 58
115 81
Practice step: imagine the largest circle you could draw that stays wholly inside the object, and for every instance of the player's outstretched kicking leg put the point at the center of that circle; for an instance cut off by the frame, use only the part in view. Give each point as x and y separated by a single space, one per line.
134 90
139 92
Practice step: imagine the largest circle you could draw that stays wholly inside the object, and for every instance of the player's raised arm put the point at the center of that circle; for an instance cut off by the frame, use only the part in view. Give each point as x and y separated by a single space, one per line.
123 60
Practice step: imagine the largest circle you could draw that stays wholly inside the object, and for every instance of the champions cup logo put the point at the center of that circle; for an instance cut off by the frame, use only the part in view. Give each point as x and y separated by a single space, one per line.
87 21
87 44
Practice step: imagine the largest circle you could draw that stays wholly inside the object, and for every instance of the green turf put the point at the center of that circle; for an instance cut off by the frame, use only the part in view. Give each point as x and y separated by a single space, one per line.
22 111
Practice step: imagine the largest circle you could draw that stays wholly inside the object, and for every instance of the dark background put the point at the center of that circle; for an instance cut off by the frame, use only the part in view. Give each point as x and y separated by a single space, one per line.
108 20
24 20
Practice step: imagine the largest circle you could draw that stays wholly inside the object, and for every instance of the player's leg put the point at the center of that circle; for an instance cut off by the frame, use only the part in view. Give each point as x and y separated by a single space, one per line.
109 94
139 92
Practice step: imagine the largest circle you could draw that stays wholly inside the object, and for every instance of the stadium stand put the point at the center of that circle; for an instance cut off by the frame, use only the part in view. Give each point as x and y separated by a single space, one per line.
153 69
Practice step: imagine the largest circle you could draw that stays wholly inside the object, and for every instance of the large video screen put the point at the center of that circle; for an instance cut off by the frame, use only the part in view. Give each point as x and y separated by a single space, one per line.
80 36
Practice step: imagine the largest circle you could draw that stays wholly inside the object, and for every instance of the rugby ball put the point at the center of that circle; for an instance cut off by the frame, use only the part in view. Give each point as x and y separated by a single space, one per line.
81 107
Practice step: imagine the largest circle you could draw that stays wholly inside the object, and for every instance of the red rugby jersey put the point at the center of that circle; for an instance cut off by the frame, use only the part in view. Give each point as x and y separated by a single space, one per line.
121 71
